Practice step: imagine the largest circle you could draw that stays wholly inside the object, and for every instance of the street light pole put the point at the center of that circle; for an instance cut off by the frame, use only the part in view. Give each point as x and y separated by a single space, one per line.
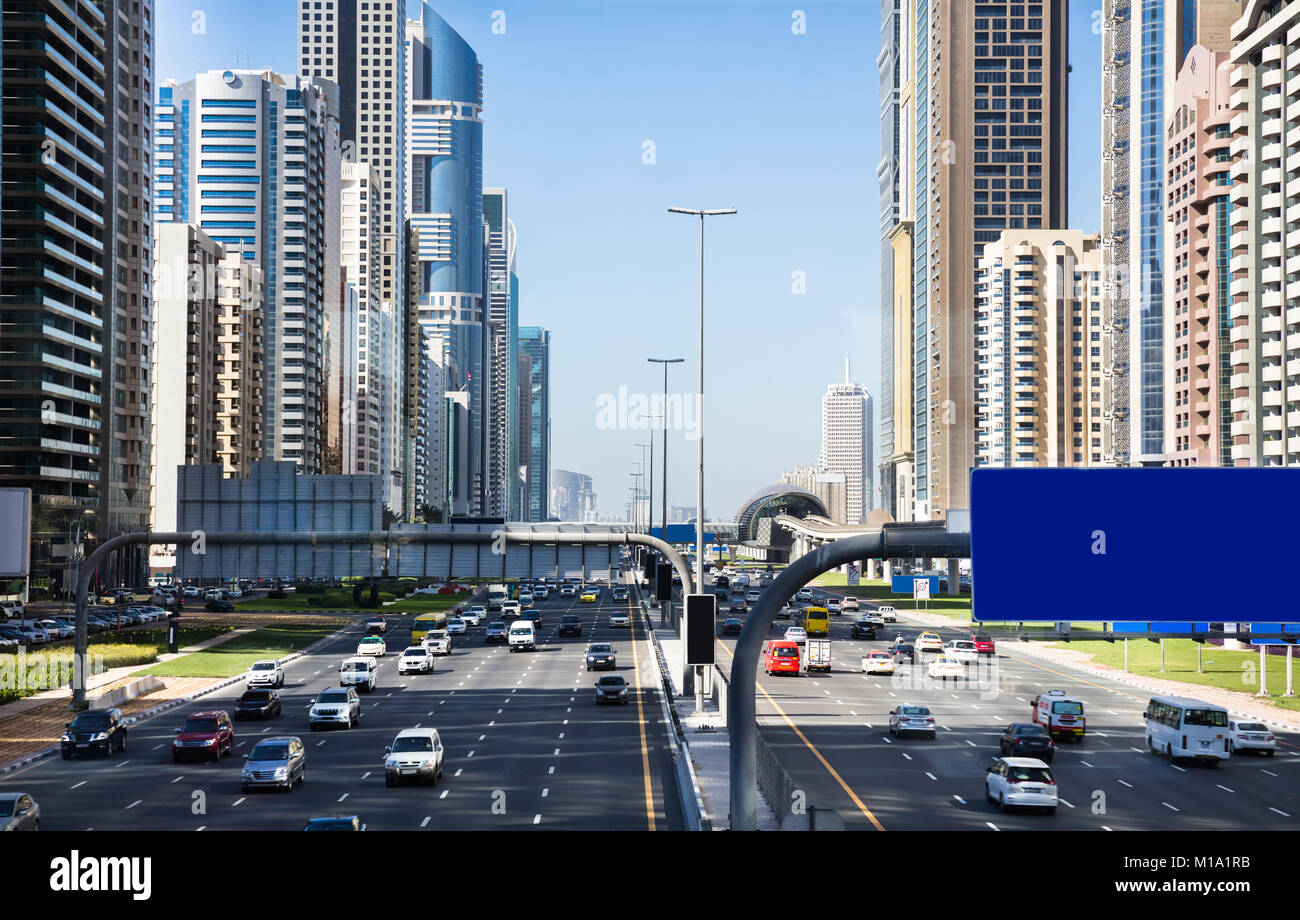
664 498
699 473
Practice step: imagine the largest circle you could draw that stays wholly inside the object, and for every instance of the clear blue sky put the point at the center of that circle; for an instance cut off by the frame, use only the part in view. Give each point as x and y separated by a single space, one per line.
742 112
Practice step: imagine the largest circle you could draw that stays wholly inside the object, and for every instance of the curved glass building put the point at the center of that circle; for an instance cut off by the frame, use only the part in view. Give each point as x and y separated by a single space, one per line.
753 521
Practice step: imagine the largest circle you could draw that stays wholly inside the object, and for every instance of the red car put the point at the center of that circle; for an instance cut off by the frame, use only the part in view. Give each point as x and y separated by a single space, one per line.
205 736
983 644
781 656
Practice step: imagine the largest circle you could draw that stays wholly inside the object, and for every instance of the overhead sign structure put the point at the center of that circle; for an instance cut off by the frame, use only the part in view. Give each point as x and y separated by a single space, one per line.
1126 544
921 589
701 613
16 535
1293 629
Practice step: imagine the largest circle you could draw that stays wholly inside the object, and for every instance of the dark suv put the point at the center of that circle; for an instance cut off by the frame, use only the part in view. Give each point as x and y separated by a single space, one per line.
205 735
99 731
570 625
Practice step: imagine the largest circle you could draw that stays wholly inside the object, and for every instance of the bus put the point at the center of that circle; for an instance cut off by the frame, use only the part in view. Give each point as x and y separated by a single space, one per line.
817 621
1179 727
425 622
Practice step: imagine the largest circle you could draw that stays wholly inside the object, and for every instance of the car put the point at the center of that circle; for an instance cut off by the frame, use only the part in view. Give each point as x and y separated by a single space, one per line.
416 659
568 591
258 704
234 592
19 812
1020 781
611 688
620 621
721 581
335 706
279 761
589 596
834 606
902 650
929 642
212 594
1246 735
739 605
797 635
522 636
618 593
570 625
525 598
456 626
732 626
190 591
56 630
911 719
438 641
541 593
11 639
878 663
752 597
873 618
335 823
95 731
32 633
601 656
265 673
945 666
360 671
849 605
206 734
473 616
862 629
983 644
887 613
495 632
962 649
219 607
1027 739
376 626
510 609
372 645
12 610
415 754
785 613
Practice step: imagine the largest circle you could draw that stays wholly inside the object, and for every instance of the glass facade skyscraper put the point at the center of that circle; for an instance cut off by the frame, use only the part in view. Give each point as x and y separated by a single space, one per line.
535 454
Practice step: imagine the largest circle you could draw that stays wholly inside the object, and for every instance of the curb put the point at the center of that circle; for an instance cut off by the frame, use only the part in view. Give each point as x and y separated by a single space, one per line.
172 704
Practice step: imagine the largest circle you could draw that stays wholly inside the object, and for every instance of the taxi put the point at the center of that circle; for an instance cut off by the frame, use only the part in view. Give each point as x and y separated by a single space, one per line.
590 596
945 666
878 663
372 645
929 642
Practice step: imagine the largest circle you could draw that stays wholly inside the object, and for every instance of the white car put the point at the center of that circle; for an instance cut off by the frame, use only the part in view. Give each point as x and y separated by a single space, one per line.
267 673
335 706
416 753
372 645
12 610
804 595
945 666
1021 781
962 649
473 615
191 591
878 663
753 596
360 672
541 593
234 592
525 598
929 642
455 626
1250 736
568 591
510 609
415 660
849 605
834 606
796 634
887 614
874 618
56 629
437 641
620 621
212 594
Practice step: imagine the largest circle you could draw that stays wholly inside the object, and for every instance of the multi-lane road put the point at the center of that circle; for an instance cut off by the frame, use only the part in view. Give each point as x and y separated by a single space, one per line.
527 746
831 733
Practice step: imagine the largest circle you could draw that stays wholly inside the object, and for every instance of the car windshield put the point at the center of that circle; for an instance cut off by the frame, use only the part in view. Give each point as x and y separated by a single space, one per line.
1029 774
455 621
329 824
264 666
787 653
983 639
914 710
333 696
371 640
1210 718
255 696
270 750
200 725
412 743
415 651
95 723
571 618
601 649
611 681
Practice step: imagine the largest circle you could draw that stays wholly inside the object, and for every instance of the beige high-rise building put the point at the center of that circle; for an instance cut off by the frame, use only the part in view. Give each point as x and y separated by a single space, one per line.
829 487
1038 350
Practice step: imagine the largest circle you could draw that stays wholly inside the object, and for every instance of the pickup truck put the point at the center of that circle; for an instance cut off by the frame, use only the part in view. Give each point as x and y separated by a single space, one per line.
817 655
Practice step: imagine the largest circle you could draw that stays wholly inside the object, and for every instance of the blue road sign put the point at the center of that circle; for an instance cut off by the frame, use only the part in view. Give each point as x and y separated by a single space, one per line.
1161 627
1275 628
1135 544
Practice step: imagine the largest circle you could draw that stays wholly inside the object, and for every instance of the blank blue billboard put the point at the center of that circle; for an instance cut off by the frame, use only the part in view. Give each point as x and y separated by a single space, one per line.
1135 544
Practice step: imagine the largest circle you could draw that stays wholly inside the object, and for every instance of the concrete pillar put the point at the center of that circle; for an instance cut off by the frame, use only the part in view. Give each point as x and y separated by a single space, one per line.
954 580
926 564
886 569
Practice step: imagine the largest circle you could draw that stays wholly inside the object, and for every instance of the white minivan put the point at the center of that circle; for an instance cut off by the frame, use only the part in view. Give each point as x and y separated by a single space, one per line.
1179 727
522 635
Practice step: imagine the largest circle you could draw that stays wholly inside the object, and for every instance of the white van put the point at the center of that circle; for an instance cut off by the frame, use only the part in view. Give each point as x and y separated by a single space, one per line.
1179 727
522 635
1060 714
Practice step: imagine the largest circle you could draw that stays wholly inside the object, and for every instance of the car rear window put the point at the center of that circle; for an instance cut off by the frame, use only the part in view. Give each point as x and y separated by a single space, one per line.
1251 727
1068 709
1212 718
1030 728
983 639
1029 774
915 710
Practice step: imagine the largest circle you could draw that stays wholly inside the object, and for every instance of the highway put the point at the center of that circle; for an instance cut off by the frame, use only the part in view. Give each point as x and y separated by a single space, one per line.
527 746
831 733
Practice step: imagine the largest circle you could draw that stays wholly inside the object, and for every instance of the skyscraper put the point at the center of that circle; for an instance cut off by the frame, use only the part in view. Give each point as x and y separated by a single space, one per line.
572 499
508 452
981 125
847 443
75 88
535 449
255 163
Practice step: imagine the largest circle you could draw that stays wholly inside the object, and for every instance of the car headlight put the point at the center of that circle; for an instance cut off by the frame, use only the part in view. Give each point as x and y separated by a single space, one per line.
65 737
210 741
281 772
99 736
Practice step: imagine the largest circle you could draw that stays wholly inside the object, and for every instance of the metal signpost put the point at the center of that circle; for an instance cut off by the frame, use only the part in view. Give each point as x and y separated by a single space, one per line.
921 592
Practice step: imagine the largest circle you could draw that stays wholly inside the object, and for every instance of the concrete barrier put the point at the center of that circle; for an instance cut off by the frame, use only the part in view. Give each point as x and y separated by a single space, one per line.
128 691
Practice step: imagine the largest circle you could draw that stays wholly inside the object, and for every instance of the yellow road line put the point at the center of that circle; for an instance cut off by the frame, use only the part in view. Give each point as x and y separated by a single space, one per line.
640 716
816 753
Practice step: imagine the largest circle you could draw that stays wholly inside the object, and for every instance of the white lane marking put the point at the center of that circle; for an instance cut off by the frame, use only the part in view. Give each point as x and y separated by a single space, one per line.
429 713
480 737
1064 802
1270 773
1139 750
499 711
157 746
907 756
955 697
425 822
867 724
537 819
546 792
458 769
1101 734
201 827
566 722
133 804
238 801
1020 699
887 740
1112 712
1178 768
344 796
1085 763
550 771
319 743
852 713
561 736
557 750
122 764
971 743
932 776
469 755
444 793
992 825
176 780
1170 807
895 695
959 799
1279 811
1122 783
83 782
